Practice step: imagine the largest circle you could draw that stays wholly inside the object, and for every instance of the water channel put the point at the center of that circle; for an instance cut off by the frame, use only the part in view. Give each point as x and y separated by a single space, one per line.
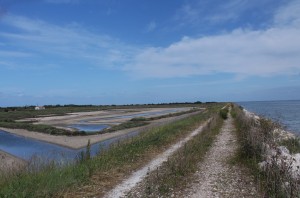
26 148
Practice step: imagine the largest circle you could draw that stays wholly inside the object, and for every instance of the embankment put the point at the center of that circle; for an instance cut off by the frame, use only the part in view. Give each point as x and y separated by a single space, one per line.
272 153
9 162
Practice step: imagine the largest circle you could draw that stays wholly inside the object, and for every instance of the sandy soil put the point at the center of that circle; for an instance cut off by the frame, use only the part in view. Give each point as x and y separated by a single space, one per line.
76 142
9 162
111 117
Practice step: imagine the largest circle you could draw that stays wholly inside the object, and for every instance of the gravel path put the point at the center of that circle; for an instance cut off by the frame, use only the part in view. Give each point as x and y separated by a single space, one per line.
216 176
122 189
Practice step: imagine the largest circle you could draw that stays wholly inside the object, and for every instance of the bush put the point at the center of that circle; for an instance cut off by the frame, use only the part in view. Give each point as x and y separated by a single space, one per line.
292 144
224 113
139 119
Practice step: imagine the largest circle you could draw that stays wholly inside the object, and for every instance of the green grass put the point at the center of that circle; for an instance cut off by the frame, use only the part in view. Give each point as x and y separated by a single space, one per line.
54 181
142 121
176 172
172 114
293 144
125 125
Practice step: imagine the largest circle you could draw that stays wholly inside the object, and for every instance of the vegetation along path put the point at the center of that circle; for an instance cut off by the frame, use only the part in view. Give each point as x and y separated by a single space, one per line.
217 175
122 189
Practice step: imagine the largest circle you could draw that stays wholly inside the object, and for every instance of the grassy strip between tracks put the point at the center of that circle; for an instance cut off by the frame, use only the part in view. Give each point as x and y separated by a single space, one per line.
176 173
93 176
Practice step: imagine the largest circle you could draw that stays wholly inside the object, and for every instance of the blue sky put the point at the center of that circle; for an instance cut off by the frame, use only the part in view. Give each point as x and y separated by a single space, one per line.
150 51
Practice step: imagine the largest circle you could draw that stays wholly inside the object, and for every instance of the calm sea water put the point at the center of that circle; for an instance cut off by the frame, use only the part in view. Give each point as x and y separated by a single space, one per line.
285 112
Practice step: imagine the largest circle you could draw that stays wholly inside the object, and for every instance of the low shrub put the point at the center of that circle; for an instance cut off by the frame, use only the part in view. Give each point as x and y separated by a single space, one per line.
224 113
293 144
138 119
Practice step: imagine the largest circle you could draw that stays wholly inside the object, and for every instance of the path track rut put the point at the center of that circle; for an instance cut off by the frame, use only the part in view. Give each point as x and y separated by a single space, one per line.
129 183
216 177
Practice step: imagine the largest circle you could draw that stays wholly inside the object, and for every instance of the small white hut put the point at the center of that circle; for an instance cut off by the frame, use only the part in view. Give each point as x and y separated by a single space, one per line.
39 108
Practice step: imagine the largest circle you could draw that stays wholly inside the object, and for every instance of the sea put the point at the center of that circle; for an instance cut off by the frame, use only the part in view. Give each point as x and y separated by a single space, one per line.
286 112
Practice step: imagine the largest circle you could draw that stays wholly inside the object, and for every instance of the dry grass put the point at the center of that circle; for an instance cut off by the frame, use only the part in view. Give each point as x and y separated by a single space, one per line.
256 138
176 172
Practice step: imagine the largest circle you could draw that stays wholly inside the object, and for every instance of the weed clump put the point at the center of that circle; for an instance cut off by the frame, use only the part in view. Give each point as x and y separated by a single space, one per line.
224 113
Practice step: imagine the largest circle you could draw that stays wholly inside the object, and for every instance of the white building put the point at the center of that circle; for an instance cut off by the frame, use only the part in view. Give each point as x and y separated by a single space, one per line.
39 108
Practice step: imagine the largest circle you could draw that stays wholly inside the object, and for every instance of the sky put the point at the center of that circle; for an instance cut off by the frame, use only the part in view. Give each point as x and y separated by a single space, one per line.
148 51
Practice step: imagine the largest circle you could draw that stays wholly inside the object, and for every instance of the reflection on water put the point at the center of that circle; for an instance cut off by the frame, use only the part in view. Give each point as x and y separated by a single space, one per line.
25 148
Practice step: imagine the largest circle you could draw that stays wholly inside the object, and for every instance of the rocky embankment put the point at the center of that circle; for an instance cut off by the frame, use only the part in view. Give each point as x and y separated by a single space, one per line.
279 164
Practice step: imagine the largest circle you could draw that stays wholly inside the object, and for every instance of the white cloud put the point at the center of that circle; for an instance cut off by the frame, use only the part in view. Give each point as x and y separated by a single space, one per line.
151 26
15 54
241 52
206 13
244 52
71 41
210 11
5 64
288 14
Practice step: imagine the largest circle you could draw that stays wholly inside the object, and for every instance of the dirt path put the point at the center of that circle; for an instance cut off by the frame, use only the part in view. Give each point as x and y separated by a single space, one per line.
216 176
129 183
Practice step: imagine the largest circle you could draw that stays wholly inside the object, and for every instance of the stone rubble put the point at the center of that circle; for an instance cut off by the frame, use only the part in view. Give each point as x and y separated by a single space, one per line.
279 155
